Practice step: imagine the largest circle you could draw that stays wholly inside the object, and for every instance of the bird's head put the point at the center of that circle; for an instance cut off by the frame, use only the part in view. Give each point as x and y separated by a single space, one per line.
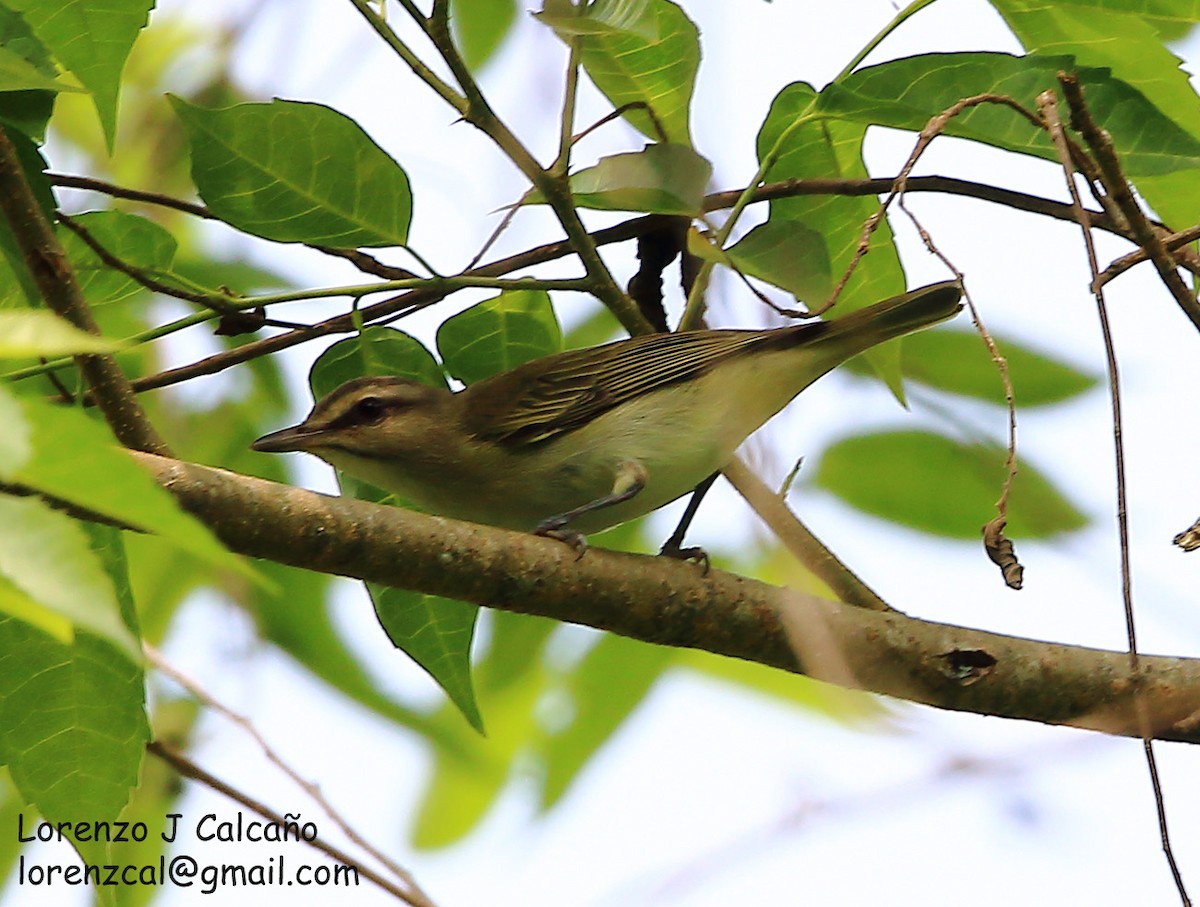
372 418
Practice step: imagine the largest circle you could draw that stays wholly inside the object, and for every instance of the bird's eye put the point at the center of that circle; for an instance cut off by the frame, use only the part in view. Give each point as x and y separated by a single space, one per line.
369 409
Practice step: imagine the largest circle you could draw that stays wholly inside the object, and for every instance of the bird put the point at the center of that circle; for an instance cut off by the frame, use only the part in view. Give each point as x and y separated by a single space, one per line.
582 440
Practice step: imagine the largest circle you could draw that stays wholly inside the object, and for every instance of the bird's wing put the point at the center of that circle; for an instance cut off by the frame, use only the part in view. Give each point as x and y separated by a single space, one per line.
541 399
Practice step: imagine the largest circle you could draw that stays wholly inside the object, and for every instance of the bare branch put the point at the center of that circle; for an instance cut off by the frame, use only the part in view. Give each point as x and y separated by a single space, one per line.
309 787
668 602
1101 145
55 279
414 300
1118 189
189 769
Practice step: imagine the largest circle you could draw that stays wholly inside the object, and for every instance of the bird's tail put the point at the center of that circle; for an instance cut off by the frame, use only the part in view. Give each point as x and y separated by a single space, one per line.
859 331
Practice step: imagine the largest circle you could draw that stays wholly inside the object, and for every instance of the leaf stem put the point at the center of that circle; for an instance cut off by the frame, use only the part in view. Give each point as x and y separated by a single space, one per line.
561 165
693 314
423 72
897 20
435 284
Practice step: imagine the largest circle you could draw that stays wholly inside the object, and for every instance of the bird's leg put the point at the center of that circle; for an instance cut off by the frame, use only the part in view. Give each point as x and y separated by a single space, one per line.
674 545
631 478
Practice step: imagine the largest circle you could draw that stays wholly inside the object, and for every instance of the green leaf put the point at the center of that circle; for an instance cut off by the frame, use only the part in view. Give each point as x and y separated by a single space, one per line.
1178 11
47 556
297 616
1111 35
498 334
788 254
12 811
906 93
803 146
27 111
16 602
156 796
72 719
659 179
1126 36
376 351
480 27
38 332
72 722
108 544
940 486
958 362
1175 197
606 686
237 275
297 172
643 52
468 778
16 441
92 38
136 241
436 633
75 459
18 74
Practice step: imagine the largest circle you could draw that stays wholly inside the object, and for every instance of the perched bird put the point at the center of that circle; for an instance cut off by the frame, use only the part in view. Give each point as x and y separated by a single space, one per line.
589 438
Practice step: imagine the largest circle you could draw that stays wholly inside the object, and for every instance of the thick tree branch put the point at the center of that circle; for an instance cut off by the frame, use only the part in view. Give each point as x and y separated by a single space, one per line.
664 601
55 279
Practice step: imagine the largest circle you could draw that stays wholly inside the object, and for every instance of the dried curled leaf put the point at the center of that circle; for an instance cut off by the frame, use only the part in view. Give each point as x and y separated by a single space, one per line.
657 248
1000 550
1189 539
232 324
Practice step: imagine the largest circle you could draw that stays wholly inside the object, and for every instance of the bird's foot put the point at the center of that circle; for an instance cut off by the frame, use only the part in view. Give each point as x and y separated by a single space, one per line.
553 529
691 553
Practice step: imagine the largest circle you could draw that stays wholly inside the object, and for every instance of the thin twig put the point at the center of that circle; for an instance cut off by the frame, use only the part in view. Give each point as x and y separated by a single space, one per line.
655 122
474 108
214 303
404 304
1117 188
998 547
436 288
189 769
1048 107
309 787
89 184
1172 242
562 163
717 201
504 224
361 260
935 127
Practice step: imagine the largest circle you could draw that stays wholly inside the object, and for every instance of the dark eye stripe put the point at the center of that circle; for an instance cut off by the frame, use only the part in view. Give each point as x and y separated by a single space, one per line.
360 414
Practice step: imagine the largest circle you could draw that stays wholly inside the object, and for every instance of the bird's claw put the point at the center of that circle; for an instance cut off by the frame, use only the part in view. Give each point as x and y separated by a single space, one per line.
576 540
691 553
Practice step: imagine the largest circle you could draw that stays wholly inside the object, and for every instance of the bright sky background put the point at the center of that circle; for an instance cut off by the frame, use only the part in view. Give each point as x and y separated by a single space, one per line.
710 795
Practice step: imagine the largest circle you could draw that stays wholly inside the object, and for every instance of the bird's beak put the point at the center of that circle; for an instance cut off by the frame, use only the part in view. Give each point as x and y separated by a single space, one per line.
298 437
